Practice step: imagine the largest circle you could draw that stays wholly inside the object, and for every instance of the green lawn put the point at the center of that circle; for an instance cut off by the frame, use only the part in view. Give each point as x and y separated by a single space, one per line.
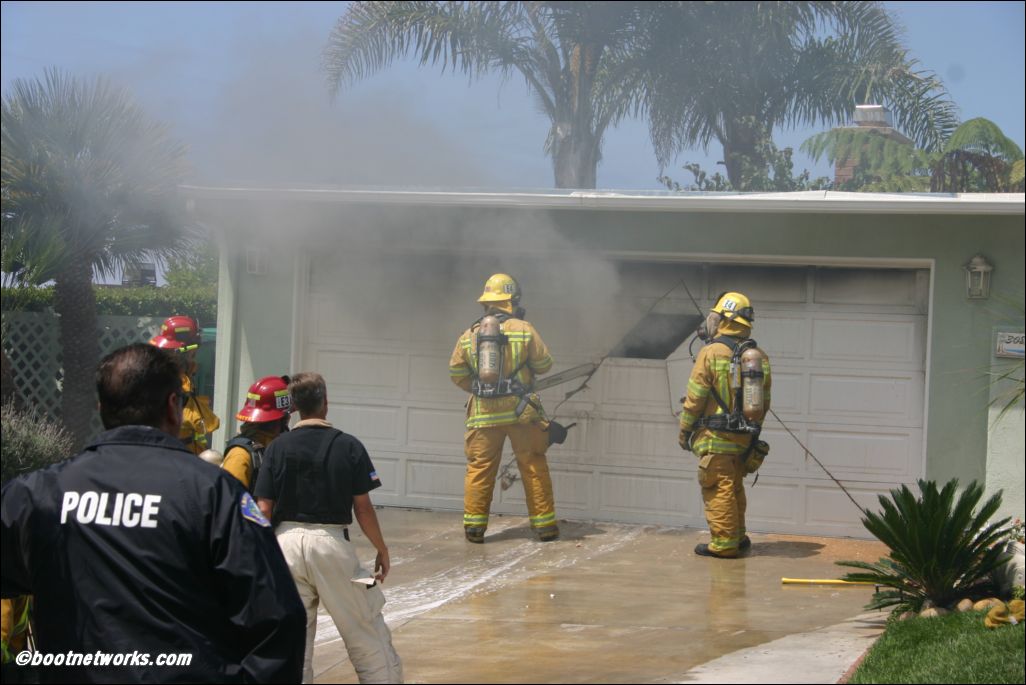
956 648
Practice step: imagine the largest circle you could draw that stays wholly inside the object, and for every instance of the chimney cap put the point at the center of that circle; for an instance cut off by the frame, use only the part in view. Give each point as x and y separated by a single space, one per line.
873 115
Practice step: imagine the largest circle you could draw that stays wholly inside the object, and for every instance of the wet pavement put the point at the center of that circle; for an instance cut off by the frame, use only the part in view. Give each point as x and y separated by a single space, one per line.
608 602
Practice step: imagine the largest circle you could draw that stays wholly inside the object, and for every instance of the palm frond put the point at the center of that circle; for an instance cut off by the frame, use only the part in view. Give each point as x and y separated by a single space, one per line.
983 136
86 175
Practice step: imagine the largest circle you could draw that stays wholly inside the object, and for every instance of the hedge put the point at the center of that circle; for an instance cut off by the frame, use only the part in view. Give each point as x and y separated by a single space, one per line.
199 302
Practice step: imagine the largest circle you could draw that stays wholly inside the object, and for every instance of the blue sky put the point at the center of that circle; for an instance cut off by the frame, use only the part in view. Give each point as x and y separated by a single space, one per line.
239 83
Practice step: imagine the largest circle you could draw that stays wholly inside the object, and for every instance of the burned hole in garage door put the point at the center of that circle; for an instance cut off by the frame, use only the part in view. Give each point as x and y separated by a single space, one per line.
656 336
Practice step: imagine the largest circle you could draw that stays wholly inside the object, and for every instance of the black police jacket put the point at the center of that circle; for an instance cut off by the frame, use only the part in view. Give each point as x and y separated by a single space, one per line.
137 547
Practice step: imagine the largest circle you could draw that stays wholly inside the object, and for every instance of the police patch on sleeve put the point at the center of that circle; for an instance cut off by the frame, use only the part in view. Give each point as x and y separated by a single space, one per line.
251 512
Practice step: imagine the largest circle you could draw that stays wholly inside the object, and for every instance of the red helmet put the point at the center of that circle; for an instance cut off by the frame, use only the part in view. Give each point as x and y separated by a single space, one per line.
267 400
179 333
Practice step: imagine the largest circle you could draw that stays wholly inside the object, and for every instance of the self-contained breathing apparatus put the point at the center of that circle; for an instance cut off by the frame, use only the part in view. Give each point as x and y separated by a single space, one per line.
490 379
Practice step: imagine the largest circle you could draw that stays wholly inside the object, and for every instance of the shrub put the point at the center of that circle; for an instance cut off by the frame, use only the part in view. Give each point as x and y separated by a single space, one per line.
199 302
940 547
29 440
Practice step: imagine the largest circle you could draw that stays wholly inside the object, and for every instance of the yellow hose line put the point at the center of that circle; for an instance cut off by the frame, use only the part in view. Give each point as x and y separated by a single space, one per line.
822 581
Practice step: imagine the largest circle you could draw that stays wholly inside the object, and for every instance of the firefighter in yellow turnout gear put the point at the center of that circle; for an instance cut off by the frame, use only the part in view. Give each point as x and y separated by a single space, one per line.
182 334
727 399
496 360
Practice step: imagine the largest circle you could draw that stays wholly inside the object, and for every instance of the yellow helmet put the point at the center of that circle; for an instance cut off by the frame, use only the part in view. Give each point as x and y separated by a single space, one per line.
501 288
735 307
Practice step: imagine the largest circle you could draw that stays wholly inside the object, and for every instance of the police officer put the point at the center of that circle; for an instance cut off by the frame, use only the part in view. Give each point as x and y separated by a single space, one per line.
181 334
313 479
501 405
728 397
136 547
265 415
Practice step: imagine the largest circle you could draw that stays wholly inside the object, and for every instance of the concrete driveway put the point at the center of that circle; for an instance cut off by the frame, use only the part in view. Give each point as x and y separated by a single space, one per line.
606 603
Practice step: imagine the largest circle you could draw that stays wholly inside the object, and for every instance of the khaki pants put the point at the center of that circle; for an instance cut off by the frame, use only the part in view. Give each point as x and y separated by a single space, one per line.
722 477
323 563
483 447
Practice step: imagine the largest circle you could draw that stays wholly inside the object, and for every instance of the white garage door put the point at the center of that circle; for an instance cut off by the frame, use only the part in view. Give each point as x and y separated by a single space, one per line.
847 348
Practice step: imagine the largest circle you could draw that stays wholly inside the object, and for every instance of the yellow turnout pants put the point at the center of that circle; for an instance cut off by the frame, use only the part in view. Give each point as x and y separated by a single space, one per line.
723 492
483 447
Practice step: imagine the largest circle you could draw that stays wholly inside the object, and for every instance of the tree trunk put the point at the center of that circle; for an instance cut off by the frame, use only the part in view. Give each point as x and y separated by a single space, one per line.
75 304
575 159
742 155
10 392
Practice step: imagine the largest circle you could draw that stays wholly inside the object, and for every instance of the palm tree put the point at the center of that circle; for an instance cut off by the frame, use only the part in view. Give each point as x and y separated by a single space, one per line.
576 58
732 72
89 186
977 157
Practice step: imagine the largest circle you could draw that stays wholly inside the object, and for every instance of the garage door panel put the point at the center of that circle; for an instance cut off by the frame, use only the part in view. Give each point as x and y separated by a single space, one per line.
577 330
774 505
829 509
787 392
639 441
861 339
333 319
883 287
436 326
372 374
429 378
885 400
434 480
663 495
786 457
577 448
387 468
372 424
761 284
633 383
786 336
866 453
431 427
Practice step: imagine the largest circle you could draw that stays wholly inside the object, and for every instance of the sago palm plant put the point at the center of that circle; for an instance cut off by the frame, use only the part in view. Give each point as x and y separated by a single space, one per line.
941 545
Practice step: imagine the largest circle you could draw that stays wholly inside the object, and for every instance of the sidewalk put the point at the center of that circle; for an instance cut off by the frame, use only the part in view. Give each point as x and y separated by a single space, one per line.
607 603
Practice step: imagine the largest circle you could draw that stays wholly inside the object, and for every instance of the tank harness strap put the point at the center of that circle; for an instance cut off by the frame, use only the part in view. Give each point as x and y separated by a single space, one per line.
256 454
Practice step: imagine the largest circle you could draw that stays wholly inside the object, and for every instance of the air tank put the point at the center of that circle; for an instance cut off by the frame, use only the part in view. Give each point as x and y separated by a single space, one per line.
489 350
753 404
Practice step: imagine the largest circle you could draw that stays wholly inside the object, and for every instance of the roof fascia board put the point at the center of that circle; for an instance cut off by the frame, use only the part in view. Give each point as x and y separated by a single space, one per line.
818 202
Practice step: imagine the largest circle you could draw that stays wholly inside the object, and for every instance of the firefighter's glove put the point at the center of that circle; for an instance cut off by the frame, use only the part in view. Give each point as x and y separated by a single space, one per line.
684 440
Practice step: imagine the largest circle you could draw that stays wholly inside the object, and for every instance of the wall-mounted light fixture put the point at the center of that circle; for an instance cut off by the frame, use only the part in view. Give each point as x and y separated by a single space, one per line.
977 278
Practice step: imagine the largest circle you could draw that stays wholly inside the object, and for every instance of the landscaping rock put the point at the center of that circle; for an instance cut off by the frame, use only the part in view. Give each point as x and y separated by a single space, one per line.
985 604
965 605
932 612
906 615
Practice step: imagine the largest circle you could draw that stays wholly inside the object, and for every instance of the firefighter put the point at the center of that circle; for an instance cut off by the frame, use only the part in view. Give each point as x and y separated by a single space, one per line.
182 334
496 360
727 398
265 415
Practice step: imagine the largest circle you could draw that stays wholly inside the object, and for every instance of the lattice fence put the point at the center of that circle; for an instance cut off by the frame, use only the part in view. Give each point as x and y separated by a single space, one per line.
30 341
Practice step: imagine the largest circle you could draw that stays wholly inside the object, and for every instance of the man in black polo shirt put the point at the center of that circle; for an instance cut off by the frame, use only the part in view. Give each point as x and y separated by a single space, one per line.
135 549
312 481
